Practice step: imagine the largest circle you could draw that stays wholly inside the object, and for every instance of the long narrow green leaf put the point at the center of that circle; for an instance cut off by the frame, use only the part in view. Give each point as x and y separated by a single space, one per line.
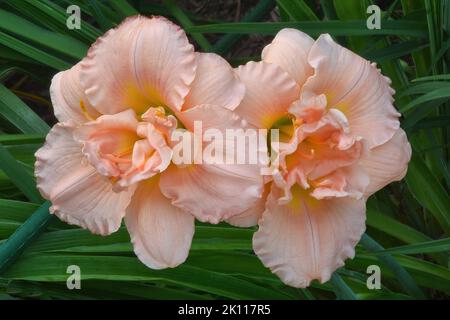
423 87
16 210
354 10
141 290
434 77
19 114
14 139
395 51
98 14
7 69
313 28
394 228
15 171
21 27
441 93
13 56
53 268
428 191
33 53
27 232
432 122
52 16
433 34
79 240
426 274
441 245
298 10
405 279
341 289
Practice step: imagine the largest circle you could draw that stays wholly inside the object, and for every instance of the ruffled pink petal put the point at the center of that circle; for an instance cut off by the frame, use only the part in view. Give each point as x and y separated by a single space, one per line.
349 181
161 233
289 50
213 191
269 93
319 148
354 86
68 97
215 83
144 62
210 117
251 216
150 156
308 239
387 163
108 138
78 193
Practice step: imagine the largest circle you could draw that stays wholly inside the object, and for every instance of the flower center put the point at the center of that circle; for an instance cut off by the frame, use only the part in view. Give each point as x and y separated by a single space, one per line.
125 149
319 152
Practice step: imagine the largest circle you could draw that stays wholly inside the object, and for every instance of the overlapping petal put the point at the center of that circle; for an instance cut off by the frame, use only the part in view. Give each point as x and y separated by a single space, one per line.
387 163
354 86
79 195
68 98
215 83
251 216
308 239
213 191
289 50
161 233
269 93
108 138
144 62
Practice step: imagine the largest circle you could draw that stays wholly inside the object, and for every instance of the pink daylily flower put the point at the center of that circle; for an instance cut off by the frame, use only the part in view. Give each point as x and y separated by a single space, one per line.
340 142
109 157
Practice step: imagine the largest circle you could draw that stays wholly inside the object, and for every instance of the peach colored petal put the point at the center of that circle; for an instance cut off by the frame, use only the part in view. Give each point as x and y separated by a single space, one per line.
78 193
68 97
319 148
209 191
163 123
56 157
310 108
269 93
251 216
108 138
144 62
161 233
289 50
150 157
387 163
210 116
349 181
215 83
121 147
308 239
212 192
354 86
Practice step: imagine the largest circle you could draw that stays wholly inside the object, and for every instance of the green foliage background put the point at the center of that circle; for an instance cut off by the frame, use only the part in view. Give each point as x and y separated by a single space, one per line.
408 222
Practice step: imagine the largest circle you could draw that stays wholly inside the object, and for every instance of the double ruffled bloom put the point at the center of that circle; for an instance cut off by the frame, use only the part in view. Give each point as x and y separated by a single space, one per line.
109 157
340 141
